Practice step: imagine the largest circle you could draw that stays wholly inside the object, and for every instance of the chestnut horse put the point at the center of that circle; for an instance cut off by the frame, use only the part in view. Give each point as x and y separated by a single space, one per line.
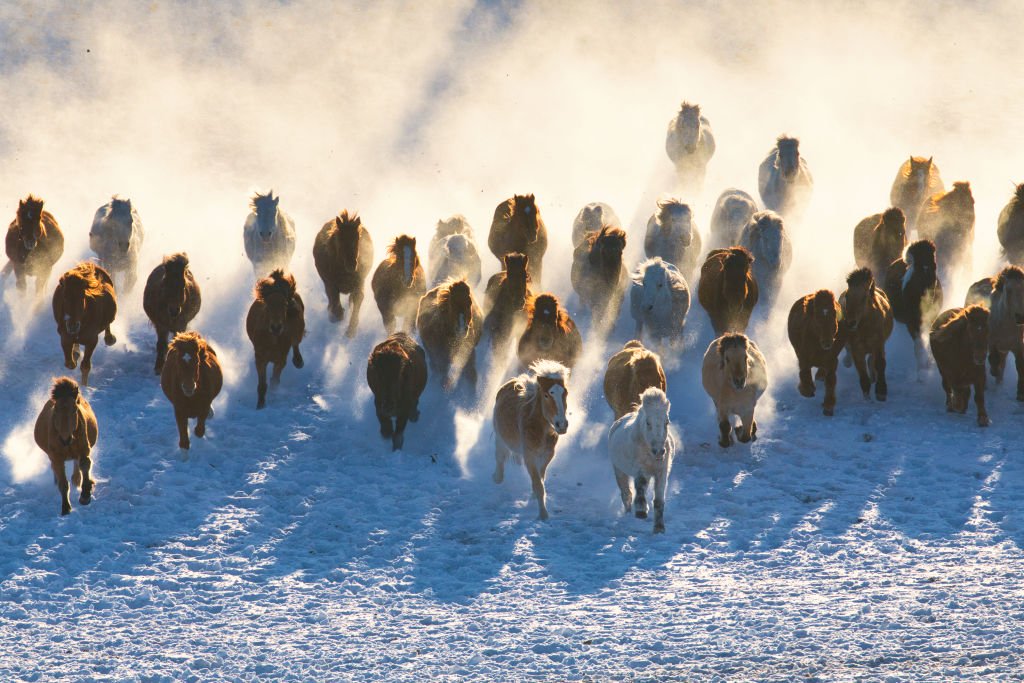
275 324
783 179
34 244
66 429
599 276
1010 227
517 226
397 374
550 333
505 301
947 219
867 323
529 416
916 181
727 289
628 374
915 293
398 283
734 375
84 303
450 325
878 240
191 379
813 328
343 255
116 238
1003 295
171 300
959 341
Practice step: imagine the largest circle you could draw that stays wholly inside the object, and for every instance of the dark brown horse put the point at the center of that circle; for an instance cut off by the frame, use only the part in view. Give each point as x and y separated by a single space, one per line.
814 333
1003 295
398 284
867 324
947 219
916 181
171 300
727 289
397 374
34 244
550 333
878 240
598 274
1010 227
959 341
915 293
191 379
66 429
518 227
275 324
84 304
450 325
505 301
343 255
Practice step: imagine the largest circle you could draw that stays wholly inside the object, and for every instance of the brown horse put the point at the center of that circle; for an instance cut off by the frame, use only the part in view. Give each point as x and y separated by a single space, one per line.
727 289
343 254
66 429
529 416
550 333
916 181
505 301
34 244
915 293
878 240
275 324
598 274
450 325
867 324
947 219
814 333
397 374
1010 227
191 379
959 341
734 375
171 300
84 303
518 227
1003 295
399 283
629 372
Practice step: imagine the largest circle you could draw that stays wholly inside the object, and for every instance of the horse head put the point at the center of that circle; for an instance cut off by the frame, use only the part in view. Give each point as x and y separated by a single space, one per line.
921 265
892 229
30 221
119 223
920 169
76 288
277 292
346 239
606 250
453 225
1009 288
734 359
457 302
515 270
789 156
766 236
545 319
65 416
976 317
189 351
736 271
737 211
657 285
389 364
688 125
653 420
960 201
524 210
859 297
403 252
824 317
173 284
551 378
265 207
675 218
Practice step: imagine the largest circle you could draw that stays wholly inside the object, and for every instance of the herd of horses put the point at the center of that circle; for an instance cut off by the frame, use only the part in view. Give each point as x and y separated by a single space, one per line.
749 253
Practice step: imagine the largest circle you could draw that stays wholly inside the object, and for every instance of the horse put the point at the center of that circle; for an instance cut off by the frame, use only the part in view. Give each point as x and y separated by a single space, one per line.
34 243
641 449
1003 295
529 416
959 341
672 235
518 227
1010 227
592 218
505 301
659 300
275 325
454 257
880 239
783 179
628 374
916 181
727 289
550 333
396 373
66 429
268 235
171 300
398 283
598 274
84 303
191 378
690 145
813 327
766 238
450 325
116 237
343 255
947 219
734 375
915 293
733 210
867 323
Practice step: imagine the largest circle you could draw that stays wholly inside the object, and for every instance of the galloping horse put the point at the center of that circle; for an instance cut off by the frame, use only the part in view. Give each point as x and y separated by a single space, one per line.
783 179
84 303
34 243
878 240
598 275
916 181
66 429
727 289
268 234
450 326
275 324
398 283
191 379
116 238
396 373
732 213
690 145
550 333
343 255
171 300
518 227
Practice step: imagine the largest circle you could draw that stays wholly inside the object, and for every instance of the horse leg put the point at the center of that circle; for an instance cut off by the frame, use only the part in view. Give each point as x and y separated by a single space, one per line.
385 422
76 474
90 346
275 374
830 387
261 385
660 486
748 427
640 501
20 279
161 349
625 488
70 357
501 454
862 371
181 418
204 415
997 363
355 302
87 482
724 428
948 388
399 437
108 337
297 356
335 311
42 277
881 388
979 398
1018 361
60 477
537 480
468 373
806 386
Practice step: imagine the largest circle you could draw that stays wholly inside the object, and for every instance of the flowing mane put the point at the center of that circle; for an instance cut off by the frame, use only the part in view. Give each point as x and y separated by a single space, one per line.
737 258
958 321
175 263
394 250
186 342
733 340
891 215
906 170
670 206
343 221
859 277
608 232
1018 192
84 276
784 141
444 296
526 383
1008 273
64 387
260 203
27 205
689 109
277 281
548 299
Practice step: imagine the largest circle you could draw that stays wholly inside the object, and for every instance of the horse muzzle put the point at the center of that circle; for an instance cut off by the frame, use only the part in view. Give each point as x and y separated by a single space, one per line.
72 327
265 236
189 391
739 383
276 330
29 244
561 426
658 452
174 312
66 442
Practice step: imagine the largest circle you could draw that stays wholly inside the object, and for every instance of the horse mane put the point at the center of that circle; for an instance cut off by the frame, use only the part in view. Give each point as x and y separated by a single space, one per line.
907 168
1018 192
641 270
767 216
732 340
670 204
957 321
394 249
1008 273
607 231
861 277
182 340
561 317
787 141
120 207
176 263
893 214
259 202
514 256
84 274
277 281
655 397
526 383
444 296
64 387
737 257
687 108
920 248
344 219
28 202
822 298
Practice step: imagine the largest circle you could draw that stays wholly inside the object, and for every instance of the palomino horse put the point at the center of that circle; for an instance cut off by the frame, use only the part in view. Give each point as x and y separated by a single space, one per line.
34 243
783 179
959 341
518 227
813 328
116 237
529 416
550 333
947 219
1003 295
343 255
598 274
867 321
275 325
592 218
84 304
505 301
915 293
629 373
727 289
396 373
690 145
878 240
398 283
268 234
450 326
732 213
672 236
659 301
1010 227
734 374
766 238
916 181
191 379
171 300
66 429
641 449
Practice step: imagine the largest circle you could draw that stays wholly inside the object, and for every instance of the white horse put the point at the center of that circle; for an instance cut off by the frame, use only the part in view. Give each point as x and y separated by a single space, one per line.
642 448
454 257
690 145
732 213
268 234
592 218
783 179
659 300
116 237
766 238
672 235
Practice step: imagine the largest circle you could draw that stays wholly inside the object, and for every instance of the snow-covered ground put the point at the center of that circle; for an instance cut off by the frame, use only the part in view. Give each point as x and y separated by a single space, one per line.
883 543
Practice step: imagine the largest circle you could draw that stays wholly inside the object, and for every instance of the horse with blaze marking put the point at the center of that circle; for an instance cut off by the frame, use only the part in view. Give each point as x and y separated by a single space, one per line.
1003 295
629 373
343 255
171 300
398 284
66 429
867 323
813 328
642 449
275 325
84 303
34 244
396 373
191 378
959 341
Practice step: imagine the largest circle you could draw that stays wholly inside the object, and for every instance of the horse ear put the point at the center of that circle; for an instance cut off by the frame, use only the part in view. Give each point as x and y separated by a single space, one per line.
930 160
337 222
276 200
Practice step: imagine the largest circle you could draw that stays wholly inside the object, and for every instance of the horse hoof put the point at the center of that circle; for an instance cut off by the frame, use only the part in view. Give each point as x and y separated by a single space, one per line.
397 441
828 412
498 477
641 514
806 392
199 431
297 361
659 528
725 443
71 365
109 340
85 498
261 404
414 416
983 421
543 516
881 395
65 510
184 445
350 332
